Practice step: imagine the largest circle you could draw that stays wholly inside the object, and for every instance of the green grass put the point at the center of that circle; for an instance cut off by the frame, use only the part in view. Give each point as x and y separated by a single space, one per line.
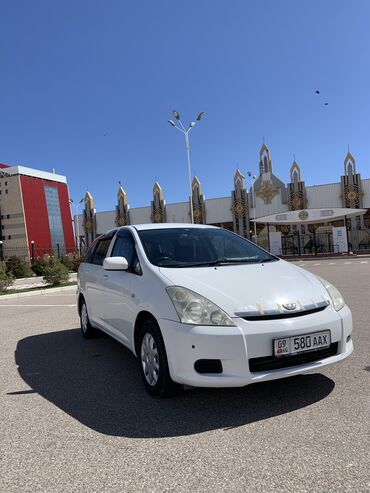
37 288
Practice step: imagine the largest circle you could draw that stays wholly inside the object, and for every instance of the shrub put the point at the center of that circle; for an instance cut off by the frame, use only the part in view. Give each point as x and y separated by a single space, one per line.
6 279
40 265
77 259
56 273
67 260
18 268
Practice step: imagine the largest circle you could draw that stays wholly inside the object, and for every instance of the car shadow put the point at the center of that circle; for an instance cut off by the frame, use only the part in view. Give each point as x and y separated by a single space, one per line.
98 383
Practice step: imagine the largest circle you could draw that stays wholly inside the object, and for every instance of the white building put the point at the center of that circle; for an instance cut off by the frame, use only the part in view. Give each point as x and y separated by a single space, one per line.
269 195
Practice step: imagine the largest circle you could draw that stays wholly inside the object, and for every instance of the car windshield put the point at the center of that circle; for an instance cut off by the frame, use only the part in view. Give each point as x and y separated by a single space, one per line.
199 247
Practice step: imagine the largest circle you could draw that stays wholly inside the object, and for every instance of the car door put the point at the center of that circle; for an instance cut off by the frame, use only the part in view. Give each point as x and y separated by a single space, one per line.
120 305
94 286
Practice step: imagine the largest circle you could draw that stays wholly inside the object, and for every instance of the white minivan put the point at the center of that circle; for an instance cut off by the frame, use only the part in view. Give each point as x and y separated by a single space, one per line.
201 306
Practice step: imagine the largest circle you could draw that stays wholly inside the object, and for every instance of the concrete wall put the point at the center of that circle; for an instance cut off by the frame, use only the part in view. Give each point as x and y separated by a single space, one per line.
328 195
366 192
140 215
178 212
219 210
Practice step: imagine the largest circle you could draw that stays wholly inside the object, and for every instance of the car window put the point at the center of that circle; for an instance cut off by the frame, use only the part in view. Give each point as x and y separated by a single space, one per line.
187 247
89 254
124 246
100 251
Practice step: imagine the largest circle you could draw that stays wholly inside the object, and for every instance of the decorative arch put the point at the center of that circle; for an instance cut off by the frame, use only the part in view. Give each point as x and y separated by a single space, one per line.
122 208
297 190
265 160
240 205
351 184
158 214
89 219
199 212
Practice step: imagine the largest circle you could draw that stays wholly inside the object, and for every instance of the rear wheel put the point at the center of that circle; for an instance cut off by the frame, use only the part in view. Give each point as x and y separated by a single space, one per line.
153 362
87 329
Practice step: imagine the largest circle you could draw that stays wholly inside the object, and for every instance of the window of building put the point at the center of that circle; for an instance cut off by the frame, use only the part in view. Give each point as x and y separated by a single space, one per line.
6 191
9 237
55 218
8 216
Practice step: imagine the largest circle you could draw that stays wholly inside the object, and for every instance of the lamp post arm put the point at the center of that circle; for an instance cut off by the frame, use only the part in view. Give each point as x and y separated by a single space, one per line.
182 126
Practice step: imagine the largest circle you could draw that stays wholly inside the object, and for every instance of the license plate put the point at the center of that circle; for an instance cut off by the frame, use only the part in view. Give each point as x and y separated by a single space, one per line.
301 343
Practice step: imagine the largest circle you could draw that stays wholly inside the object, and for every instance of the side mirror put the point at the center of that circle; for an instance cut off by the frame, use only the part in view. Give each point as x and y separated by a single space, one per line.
115 263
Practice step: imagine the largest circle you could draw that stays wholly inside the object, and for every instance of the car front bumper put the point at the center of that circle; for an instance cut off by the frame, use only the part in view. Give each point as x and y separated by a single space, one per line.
235 346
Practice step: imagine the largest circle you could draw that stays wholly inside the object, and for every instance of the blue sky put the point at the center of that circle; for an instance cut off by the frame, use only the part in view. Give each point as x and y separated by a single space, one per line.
87 86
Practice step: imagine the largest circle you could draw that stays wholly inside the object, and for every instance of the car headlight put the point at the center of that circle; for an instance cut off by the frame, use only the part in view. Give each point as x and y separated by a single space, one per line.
335 296
193 308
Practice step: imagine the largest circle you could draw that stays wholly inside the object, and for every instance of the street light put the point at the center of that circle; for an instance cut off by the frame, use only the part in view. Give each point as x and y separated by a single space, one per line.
76 206
249 173
185 132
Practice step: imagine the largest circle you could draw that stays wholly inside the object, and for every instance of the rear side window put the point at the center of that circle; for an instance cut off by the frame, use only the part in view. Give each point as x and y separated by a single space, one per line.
100 251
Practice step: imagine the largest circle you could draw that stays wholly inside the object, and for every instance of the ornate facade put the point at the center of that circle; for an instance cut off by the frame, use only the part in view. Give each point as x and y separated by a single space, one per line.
240 208
89 219
122 213
268 195
297 191
158 214
199 212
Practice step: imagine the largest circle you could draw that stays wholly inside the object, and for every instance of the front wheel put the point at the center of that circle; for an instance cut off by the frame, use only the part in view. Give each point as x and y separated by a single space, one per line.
87 329
153 361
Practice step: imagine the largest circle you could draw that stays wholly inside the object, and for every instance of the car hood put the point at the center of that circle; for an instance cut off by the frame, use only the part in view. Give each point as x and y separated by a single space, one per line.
252 288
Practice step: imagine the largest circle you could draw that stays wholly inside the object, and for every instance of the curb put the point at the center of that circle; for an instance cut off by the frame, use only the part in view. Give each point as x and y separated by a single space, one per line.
37 291
318 258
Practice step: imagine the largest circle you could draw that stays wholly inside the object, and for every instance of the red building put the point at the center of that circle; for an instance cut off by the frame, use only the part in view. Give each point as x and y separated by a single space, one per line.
35 215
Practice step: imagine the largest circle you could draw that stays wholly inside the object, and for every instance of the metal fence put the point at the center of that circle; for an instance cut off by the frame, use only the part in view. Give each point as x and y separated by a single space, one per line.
35 251
308 244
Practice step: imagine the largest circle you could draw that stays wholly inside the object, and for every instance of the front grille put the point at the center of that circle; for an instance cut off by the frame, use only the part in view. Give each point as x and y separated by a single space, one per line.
268 363
276 316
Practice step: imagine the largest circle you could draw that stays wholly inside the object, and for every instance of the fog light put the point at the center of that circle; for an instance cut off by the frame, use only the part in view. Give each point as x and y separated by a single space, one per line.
208 366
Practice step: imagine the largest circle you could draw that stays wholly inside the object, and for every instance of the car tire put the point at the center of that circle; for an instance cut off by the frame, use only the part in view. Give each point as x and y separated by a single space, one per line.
87 329
153 363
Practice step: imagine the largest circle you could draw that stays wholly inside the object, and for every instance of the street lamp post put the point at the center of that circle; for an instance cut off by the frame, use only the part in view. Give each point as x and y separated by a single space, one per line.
185 132
254 202
32 252
76 207
1 251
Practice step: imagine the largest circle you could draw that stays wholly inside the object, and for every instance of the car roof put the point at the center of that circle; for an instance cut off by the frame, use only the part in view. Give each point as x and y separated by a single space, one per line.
142 227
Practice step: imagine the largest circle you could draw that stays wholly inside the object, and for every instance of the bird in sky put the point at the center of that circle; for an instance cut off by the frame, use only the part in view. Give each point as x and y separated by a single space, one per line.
317 92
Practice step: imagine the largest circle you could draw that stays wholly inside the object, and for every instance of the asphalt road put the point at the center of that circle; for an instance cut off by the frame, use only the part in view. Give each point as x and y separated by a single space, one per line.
75 416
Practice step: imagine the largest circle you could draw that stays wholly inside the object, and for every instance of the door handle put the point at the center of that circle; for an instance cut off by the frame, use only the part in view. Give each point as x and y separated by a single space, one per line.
105 277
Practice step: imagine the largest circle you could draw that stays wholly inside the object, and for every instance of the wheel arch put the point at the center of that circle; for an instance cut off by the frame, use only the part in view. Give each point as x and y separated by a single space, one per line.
81 298
141 317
